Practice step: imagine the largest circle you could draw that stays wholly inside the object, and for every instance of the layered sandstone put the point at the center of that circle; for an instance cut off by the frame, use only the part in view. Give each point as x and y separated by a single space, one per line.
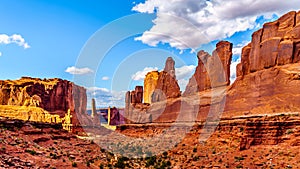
212 71
48 97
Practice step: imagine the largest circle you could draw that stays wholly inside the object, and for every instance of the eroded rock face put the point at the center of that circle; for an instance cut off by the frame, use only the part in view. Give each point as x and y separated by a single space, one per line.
56 96
277 43
167 86
212 71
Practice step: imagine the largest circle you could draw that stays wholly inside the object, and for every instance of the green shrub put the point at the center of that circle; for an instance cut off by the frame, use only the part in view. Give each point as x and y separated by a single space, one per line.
32 152
120 163
150 161
74 164
239 158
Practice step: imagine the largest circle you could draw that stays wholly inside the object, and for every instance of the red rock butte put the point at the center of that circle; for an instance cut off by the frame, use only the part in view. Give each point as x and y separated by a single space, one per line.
47 100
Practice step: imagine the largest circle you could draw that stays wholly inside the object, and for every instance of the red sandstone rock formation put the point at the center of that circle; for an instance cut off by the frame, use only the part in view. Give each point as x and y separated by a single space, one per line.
167 86
160 86
170 67
268 78
212 71
277 43
53 95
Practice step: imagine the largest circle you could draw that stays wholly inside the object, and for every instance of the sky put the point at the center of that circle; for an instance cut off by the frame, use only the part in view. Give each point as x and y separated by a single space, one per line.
109 46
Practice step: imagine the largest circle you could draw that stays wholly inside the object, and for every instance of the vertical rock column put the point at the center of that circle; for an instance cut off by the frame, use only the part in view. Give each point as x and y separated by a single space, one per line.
167 86
93 108
150 84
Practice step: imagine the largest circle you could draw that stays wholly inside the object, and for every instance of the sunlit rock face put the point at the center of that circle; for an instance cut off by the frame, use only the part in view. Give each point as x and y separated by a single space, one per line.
49 96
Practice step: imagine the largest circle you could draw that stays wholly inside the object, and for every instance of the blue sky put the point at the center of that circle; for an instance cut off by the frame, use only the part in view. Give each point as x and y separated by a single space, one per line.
47 38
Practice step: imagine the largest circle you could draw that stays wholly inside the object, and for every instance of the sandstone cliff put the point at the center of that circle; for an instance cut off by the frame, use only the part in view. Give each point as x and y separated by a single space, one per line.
268 75
277 43
44 98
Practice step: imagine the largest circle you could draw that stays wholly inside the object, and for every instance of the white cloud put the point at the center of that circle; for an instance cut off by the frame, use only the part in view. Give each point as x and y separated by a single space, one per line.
78 71
0 54
105 97
140 75
105 78
15 38
184 71
183 83
237 50
233 70
183 74
187 24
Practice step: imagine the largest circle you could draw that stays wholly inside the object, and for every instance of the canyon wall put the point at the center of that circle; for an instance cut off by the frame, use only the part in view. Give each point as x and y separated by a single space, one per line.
268 75
277 43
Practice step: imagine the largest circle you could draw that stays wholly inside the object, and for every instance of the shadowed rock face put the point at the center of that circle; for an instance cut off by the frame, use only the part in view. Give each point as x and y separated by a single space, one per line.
212 71
53 95
158 86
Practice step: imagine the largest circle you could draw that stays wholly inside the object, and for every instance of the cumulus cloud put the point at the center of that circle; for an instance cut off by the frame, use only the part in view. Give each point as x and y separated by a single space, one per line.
185 24
14 39
105 97
184 71
0 54
140 75
233 70
105 78
78 71
237 49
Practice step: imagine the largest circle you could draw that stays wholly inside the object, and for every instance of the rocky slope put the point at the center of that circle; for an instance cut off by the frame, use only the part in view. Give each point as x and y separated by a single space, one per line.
35 145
